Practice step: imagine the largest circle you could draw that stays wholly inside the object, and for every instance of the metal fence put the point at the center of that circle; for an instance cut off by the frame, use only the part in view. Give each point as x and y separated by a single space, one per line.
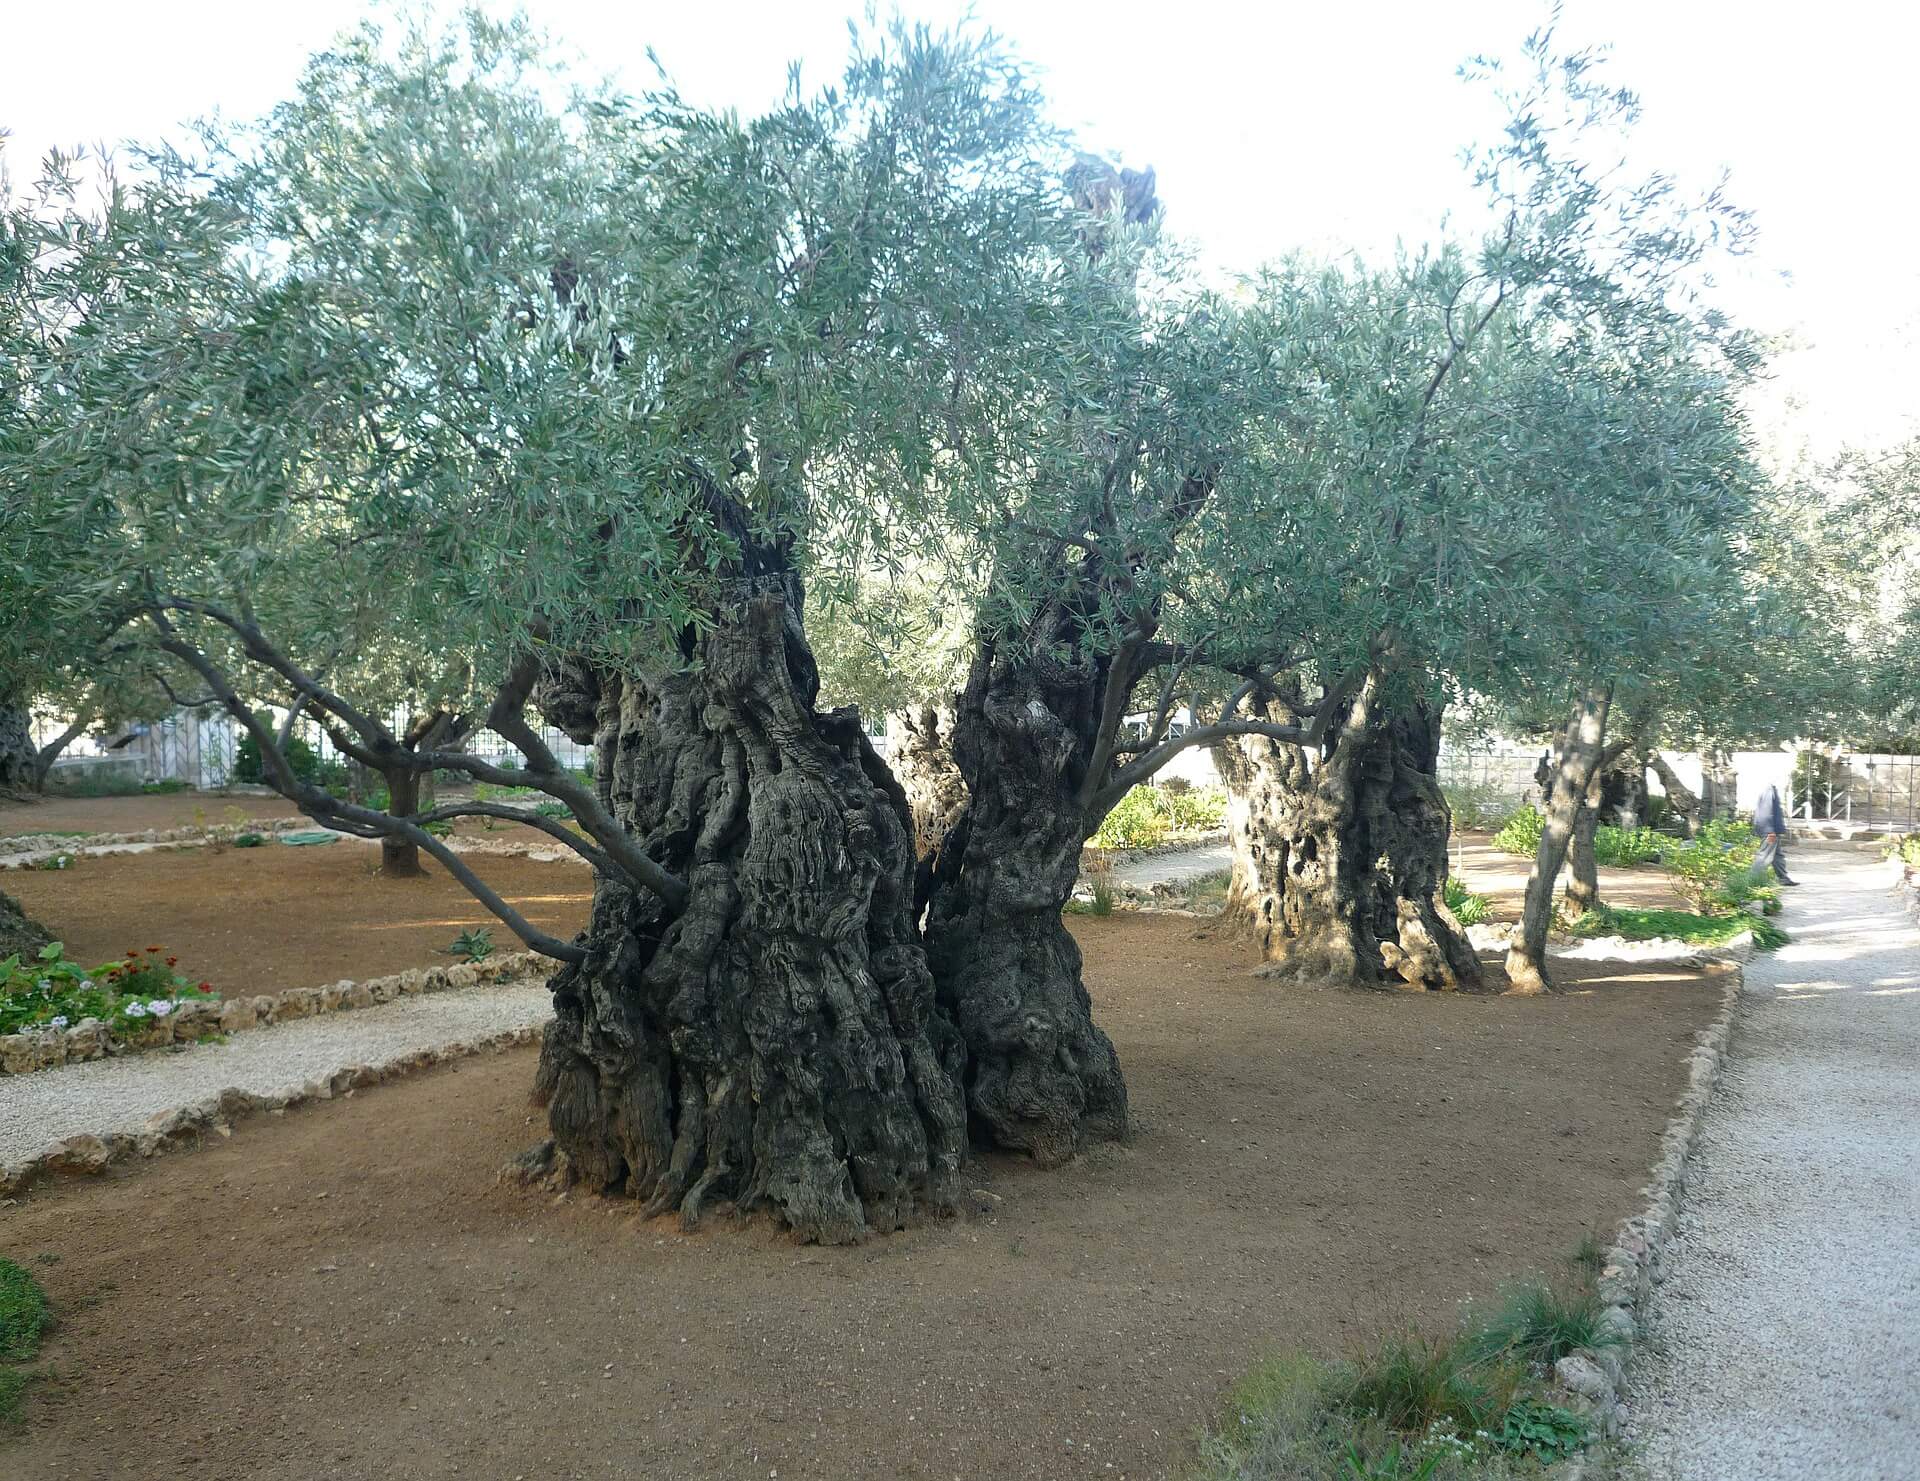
1880 792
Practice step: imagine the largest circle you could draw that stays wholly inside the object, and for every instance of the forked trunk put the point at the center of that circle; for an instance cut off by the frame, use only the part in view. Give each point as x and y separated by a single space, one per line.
1580 756
775 1045
1041 1076
1340 861
400 857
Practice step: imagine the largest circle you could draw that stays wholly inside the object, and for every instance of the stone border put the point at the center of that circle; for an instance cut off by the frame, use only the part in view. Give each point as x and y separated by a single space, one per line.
23 1054
16 852
187 1125
1596 1381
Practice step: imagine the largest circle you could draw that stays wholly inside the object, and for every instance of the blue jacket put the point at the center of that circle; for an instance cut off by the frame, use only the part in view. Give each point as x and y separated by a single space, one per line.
1767 817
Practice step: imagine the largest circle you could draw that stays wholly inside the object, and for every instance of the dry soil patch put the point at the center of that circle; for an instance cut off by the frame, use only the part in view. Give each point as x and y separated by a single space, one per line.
346 1292
266 919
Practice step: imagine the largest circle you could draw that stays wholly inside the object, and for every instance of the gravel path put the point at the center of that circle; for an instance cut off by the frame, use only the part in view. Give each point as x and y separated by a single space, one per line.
120 1094
1144 874
1785 1340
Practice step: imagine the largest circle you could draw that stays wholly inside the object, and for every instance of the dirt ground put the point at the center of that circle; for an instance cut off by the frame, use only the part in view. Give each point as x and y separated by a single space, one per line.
262 920
1502 878
346 1292
137 814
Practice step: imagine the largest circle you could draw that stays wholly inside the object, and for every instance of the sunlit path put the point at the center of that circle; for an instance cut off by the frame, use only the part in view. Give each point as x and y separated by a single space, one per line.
1783 1341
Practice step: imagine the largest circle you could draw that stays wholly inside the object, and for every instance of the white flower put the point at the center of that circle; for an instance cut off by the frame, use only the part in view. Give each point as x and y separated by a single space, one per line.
159 1007
134 1010
59 1020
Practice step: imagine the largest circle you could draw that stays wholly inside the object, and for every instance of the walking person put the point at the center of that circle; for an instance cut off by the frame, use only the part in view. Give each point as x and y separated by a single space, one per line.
1770 824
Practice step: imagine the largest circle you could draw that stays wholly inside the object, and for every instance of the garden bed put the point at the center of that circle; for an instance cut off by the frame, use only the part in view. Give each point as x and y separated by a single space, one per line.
267 920
1313 1167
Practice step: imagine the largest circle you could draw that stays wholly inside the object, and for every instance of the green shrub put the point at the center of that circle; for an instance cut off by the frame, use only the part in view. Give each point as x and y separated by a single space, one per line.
553 810
1678 925
1906 850
1147 815
248 840
1622 848
48 991
249 766
1520 834
1468 908
1704 866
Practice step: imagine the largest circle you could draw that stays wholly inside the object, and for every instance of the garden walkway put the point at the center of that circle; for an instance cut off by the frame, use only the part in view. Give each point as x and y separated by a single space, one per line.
120 1094
1786 1336
1175 868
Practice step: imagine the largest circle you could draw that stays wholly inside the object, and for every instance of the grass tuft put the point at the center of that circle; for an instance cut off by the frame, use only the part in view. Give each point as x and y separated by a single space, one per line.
23 1320
1537 1323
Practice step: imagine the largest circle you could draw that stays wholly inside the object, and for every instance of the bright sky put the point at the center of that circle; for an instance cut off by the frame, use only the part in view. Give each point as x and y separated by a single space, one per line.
1272 125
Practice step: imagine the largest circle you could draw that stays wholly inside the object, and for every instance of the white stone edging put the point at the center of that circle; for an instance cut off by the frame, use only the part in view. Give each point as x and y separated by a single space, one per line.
27 850
181 1125
1596 1381
24 1053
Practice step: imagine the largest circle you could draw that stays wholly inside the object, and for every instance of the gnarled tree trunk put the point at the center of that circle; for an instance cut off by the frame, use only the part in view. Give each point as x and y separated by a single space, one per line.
19 757
776 1044
1340 861
1042 1077
1580 756
1680 797
20 934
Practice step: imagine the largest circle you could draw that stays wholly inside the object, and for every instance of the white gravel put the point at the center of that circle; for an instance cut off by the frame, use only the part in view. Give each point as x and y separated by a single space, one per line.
120 1094
1785 1339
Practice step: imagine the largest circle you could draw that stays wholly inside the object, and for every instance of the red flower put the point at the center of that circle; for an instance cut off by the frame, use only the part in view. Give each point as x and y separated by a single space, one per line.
173 961
154 949
206 987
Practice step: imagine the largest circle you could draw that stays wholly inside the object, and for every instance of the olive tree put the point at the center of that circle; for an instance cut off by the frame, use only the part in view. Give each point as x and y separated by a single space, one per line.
590 395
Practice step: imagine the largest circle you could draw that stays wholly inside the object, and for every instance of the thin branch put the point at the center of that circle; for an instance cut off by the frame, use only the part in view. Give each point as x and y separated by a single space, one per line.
549 826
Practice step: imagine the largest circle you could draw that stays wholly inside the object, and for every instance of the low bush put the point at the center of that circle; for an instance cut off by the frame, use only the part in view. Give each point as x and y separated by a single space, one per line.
1906 850
1468 908
1703 867
1678 925
1622 848
248 840
1520 834
1148 815
48 991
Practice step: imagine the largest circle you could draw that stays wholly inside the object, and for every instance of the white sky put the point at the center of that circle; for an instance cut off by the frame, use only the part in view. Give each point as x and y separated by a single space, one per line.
1271 125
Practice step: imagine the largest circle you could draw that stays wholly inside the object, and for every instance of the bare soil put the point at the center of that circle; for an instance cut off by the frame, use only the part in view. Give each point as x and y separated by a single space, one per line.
137 814
263 920
1502 878
346 1291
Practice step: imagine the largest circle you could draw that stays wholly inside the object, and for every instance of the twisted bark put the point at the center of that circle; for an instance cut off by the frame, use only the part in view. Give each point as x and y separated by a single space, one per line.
775 1044
1042 1077
1340 860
